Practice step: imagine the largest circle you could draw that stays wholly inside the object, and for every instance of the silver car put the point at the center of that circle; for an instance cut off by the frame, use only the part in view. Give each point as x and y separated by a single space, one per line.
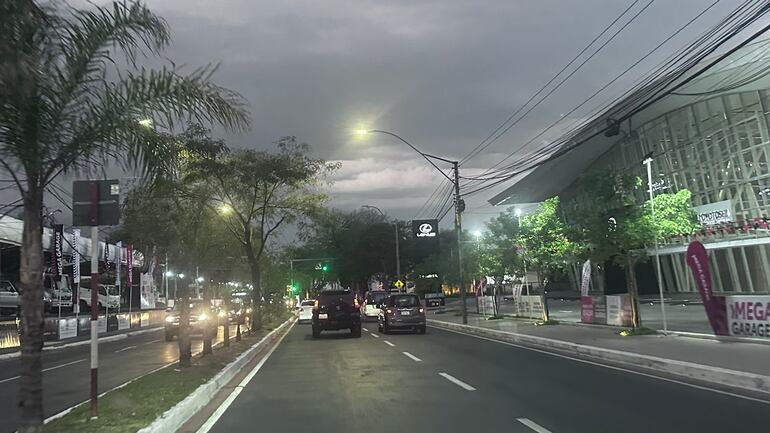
10 299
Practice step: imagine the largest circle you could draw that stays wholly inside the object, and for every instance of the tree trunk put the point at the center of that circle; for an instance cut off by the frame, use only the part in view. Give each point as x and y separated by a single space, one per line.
185 346
632 291
256 283
31 269
207 331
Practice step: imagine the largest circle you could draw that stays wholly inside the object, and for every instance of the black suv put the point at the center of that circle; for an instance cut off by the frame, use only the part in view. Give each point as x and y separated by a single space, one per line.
335 310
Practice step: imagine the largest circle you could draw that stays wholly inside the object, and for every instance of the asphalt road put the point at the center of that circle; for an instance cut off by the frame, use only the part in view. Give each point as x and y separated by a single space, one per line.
66 376
448 382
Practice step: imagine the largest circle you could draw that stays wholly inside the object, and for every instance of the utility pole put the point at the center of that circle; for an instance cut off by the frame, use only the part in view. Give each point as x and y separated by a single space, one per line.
458 231
398 256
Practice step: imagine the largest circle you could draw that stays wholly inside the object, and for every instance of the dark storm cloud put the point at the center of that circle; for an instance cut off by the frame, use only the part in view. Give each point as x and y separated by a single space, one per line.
442 73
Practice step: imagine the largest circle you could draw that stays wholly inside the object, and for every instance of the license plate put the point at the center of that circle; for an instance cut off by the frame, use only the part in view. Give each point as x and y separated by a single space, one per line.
406 313
323 316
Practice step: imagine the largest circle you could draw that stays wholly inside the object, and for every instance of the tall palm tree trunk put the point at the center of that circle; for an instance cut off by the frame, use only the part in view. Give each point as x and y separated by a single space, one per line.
31 389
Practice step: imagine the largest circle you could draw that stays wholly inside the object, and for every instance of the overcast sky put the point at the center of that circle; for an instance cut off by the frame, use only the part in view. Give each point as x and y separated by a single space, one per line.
441 73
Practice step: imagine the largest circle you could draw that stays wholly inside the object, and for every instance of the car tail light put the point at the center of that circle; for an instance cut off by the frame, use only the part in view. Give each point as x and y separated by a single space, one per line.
389 311
355 303
421 310
316 304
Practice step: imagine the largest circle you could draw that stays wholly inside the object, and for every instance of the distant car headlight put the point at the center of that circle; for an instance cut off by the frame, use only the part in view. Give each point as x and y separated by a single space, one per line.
170 319
203 317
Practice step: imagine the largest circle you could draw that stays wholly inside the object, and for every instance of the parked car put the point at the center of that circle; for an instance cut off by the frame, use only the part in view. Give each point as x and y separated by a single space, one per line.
402 311
106 297
371 308
336 309
10 299
305 309
202 317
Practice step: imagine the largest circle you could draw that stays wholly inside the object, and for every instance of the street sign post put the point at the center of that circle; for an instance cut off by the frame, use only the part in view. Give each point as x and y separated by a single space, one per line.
95 203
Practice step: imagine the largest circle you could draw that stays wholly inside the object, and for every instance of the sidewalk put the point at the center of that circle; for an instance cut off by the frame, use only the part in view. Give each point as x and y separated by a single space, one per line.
737 356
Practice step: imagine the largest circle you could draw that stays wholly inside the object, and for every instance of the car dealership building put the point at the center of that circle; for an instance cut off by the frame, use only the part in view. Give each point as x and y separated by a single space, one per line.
711 137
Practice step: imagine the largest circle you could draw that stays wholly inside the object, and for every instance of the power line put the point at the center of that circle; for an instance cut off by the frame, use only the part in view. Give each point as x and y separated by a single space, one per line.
505 174
483 146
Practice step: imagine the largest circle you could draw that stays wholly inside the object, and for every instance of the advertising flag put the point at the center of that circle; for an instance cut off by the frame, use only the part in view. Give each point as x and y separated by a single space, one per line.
58 253
697 260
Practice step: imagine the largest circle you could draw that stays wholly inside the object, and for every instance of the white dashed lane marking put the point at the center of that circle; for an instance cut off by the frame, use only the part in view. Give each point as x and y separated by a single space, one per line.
457 381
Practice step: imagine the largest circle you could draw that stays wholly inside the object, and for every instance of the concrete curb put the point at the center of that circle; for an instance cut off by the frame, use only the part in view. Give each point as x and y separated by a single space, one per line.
105 339
755 383
174 418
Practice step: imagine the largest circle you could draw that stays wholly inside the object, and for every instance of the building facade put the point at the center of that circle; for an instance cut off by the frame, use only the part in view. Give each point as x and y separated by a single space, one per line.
711 138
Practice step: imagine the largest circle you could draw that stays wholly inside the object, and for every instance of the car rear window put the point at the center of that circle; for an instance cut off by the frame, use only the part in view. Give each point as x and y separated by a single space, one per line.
375 298
405 301
335 292
307 303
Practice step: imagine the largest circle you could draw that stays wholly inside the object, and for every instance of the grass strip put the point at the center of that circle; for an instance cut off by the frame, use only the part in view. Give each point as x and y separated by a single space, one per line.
139 403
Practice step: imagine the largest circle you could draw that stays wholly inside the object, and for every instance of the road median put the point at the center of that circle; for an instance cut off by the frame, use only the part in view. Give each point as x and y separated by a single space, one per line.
751 384
165 399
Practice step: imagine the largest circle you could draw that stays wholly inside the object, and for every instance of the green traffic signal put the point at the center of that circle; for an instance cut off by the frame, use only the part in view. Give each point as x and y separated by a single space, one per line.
325 267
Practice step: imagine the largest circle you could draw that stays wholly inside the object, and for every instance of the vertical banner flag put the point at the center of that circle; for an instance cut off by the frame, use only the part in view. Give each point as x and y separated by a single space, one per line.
586 302
586 278
76 257
129 270
58 253
697 260
118 254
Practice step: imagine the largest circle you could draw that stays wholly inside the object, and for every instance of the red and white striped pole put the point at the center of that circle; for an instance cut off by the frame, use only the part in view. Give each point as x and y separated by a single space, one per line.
94 299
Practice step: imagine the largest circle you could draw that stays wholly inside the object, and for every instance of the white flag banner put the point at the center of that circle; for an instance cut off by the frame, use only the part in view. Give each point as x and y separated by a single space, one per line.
586 278
76 256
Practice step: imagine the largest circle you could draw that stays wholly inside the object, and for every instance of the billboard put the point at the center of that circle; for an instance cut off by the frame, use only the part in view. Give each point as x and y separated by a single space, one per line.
748 316
425 229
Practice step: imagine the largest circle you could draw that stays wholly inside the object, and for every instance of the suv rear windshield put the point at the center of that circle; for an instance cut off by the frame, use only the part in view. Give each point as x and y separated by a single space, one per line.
307 303
404 301
375 297
335 292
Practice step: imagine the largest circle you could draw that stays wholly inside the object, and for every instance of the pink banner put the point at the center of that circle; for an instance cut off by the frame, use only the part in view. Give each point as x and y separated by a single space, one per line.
587 309
697 259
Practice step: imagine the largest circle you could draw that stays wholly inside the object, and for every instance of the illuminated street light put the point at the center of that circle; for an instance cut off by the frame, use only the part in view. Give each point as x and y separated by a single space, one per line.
147 123
169 274
225 209
180 275
518 212
199 279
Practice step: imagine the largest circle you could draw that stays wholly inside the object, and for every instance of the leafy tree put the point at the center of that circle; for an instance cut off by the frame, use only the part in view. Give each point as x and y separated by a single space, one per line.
67 108
257 193
501 256
615 228
547 241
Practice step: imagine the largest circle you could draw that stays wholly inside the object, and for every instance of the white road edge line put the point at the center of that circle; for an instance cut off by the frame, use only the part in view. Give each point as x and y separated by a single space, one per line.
374 335
45 369
533 425
234 394
125 348
414 358
389 343
611 367
366 329
457 381
154 341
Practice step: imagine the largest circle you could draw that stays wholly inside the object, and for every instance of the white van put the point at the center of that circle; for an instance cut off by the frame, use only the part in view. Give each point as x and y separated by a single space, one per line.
107 296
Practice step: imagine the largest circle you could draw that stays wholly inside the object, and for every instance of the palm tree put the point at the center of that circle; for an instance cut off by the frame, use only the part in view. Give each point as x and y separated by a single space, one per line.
71 99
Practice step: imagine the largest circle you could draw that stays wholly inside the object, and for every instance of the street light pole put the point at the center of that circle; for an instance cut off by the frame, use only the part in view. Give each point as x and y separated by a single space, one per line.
648 162
459 204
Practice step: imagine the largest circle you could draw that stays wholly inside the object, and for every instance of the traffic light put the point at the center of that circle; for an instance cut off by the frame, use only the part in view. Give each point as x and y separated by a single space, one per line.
295 289
325 267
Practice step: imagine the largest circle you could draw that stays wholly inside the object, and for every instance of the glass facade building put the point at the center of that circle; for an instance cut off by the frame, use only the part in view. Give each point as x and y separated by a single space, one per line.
713 139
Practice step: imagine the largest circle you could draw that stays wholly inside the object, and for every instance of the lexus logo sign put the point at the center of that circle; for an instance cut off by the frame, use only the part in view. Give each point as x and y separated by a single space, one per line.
425 228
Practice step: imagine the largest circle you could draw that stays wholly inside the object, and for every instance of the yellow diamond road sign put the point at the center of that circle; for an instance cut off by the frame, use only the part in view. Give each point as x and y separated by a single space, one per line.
399 284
